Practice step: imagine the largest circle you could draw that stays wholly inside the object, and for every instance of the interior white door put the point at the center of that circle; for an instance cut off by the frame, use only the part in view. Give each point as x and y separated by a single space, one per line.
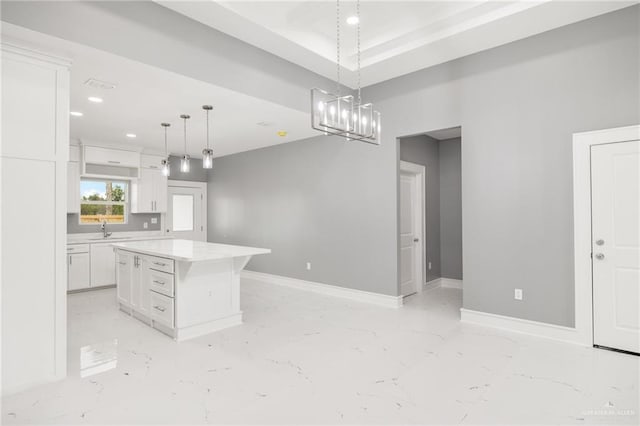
185 213
408 235
615 215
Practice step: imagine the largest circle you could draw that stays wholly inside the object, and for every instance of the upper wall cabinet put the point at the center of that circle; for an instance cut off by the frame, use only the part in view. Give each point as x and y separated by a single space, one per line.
111 162
149 192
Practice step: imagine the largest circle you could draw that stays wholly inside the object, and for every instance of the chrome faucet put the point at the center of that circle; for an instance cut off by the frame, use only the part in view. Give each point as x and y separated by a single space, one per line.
105 234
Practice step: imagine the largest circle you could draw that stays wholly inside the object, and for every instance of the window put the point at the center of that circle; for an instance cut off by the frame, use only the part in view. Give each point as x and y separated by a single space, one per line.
103 200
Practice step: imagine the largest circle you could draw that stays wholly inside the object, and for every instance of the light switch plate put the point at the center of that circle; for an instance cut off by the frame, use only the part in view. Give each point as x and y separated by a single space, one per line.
145 225
308 266
154 220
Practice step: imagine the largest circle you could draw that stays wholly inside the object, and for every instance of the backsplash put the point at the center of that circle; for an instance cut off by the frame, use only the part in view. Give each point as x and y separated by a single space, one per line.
135 222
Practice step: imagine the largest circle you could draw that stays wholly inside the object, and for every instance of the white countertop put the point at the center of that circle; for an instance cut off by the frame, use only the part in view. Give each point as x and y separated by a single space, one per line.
188 250
92 238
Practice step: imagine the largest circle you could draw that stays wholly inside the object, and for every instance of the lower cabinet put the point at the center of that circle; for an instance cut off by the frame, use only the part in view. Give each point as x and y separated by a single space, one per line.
103 271
145 290
78 270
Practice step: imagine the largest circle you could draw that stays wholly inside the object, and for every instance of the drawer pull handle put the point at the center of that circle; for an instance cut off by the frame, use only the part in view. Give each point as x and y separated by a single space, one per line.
122 263
160 308
159 263
113 162
69 249
158 282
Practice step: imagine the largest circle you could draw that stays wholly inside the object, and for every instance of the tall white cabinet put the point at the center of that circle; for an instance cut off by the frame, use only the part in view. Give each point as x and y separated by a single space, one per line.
33 176
149 191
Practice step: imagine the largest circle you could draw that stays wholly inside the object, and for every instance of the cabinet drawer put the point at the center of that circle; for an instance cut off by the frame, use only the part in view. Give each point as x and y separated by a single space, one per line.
161 309
78 248
161 282
160 264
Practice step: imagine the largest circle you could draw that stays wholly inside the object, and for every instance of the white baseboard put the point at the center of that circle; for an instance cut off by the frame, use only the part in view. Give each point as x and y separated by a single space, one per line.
518 325
443 282
429 285
450 283
326 289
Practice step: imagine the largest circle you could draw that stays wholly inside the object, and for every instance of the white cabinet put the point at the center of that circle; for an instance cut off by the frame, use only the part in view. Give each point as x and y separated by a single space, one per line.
34 114
124 265
140 285
149 192
78 267
73 187
111 157
140 298
103 265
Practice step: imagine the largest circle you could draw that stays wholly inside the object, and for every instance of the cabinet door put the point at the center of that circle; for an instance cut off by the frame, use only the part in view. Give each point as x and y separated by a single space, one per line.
103 265
160 190
78 271
142 192
145 278
135 282
73 187
124 268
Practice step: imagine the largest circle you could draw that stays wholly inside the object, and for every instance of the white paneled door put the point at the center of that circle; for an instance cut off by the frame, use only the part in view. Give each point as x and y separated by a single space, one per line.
615 212
411 224
186 212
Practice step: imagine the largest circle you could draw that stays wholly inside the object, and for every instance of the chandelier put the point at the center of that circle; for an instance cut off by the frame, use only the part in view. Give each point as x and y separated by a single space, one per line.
345 115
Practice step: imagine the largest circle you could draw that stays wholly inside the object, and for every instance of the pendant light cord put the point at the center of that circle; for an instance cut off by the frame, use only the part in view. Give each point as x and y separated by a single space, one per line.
358 38
338 46
207 129
166 146
185 135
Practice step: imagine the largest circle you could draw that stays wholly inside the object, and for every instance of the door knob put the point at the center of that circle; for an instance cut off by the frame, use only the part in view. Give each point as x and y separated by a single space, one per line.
600 242
599 256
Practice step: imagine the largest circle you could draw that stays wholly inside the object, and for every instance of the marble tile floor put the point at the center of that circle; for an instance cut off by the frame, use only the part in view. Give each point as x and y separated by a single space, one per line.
303 358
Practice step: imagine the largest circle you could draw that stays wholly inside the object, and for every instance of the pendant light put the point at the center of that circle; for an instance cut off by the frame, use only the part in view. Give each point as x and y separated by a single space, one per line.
166 167
344 115
184 163
207 153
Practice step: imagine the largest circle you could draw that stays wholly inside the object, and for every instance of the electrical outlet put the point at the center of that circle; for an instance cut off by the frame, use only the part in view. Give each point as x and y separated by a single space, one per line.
308 266
154 220
517 294
145 225
429 265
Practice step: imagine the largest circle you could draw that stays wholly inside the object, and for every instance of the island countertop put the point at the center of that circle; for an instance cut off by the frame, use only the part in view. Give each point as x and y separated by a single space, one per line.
188 250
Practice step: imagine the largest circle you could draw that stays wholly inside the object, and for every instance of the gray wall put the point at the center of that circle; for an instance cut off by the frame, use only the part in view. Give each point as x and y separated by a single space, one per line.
322 200
449 156
424 150
196 172
518 106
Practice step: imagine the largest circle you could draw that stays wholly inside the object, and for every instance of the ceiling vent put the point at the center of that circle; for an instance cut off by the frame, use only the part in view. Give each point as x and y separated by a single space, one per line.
99 84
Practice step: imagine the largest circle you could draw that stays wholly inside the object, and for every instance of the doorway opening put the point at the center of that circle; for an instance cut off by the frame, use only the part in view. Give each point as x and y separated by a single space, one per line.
430 211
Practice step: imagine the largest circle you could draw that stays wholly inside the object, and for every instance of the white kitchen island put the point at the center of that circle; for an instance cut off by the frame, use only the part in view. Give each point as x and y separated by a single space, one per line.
183 288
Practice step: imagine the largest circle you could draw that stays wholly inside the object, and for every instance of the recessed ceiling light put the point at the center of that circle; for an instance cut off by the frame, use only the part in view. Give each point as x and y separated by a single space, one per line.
131 135
95 99
353 20
76 113
282 133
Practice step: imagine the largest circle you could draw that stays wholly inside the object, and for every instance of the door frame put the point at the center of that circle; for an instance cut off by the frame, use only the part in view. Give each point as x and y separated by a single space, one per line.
582 143
419 171
189 184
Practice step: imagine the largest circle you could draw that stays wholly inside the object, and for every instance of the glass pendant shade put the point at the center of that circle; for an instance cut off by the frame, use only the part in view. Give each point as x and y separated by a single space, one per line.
166 167
185 165
207 158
